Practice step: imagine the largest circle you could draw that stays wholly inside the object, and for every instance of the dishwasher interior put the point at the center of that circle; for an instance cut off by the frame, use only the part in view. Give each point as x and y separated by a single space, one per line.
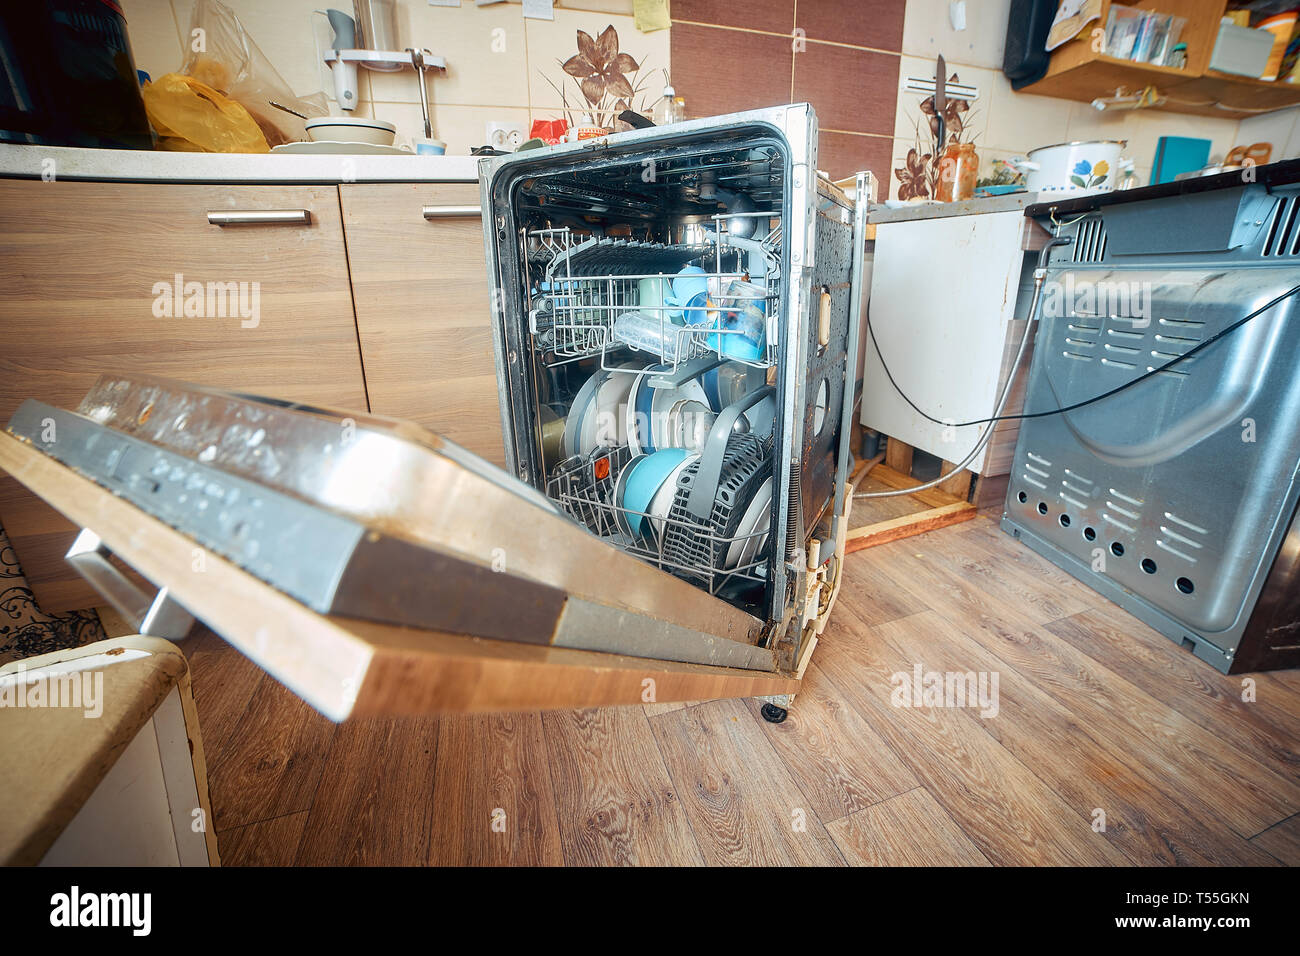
662 380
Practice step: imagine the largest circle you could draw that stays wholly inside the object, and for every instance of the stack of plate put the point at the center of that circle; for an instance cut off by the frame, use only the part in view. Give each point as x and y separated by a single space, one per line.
599 414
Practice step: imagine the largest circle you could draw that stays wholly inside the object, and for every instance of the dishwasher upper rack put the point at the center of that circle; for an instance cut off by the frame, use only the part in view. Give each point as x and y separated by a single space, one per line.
586 283
585 486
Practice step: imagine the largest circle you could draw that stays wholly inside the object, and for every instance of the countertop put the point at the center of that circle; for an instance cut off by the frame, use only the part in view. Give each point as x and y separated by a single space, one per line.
880 213
145 166
1273 174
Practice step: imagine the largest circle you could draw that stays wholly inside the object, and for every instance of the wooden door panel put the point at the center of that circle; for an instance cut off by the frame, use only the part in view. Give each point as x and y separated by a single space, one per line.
349 668
422 306
85 269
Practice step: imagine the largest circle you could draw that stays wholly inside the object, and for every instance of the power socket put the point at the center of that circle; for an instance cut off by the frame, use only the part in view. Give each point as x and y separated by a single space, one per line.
505 136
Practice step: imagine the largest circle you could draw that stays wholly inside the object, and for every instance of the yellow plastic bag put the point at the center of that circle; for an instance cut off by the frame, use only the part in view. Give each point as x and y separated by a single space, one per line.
192 116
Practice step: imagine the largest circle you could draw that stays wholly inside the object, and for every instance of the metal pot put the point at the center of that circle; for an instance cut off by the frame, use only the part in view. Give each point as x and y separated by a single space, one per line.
1085 166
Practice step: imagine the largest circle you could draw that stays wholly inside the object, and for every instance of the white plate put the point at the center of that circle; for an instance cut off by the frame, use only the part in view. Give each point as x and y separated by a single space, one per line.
662 502
633 434
608 406
662 404
742 551
573 424
332 147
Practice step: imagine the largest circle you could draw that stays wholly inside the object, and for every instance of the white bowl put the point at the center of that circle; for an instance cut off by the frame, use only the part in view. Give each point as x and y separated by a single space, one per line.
351 129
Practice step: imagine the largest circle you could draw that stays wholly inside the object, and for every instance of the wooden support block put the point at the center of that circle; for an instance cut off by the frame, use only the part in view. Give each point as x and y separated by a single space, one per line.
898 456
940 510
883 532
959 484
991 493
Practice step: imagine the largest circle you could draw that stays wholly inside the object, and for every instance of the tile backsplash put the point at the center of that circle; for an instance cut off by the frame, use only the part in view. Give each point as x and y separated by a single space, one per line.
850 60
1005 123
840 57
498 63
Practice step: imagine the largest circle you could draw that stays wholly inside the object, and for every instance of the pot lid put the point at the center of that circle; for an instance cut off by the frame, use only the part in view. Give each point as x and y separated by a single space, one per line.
1121 143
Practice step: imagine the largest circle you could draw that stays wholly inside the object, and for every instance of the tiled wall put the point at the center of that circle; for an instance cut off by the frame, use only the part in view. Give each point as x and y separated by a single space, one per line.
1006 123
841 57
849 59
498 63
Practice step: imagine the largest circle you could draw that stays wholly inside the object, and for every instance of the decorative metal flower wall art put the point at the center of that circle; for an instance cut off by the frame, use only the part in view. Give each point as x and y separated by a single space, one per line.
918 177
609 81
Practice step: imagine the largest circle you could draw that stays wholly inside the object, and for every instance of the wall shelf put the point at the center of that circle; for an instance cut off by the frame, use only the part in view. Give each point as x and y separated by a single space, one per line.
1077 72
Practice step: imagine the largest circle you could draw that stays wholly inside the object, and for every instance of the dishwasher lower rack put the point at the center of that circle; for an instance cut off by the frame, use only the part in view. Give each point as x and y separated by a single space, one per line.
727 551
582 285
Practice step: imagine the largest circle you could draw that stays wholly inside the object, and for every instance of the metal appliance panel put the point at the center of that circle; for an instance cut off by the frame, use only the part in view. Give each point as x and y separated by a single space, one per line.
1173 496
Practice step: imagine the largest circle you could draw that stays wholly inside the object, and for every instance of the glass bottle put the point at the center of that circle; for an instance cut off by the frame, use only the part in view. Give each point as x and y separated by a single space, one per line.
670 108
958 173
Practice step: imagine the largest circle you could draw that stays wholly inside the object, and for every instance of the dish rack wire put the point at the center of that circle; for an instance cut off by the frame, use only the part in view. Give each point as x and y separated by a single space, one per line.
585 283
585 487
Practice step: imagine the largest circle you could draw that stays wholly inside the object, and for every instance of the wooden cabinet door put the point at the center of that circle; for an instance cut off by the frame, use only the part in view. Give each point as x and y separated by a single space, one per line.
88 279
421 295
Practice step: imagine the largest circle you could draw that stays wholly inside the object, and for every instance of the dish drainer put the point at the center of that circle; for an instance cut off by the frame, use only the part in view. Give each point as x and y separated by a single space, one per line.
584 283
678 542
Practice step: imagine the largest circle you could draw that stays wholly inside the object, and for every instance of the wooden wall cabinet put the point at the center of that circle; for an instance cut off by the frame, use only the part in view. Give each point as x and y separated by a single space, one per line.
1079 72
365 295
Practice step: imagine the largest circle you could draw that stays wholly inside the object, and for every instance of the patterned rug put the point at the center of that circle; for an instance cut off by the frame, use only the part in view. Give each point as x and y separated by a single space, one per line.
25 630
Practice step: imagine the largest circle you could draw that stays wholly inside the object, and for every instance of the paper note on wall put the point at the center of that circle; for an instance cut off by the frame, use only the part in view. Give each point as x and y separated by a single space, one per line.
651 15
539 9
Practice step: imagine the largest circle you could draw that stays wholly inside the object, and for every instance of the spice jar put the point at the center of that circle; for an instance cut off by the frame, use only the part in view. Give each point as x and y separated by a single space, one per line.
958 172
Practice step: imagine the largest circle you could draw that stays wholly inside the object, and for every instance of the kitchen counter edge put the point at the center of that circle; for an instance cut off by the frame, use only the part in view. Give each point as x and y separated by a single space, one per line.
19 161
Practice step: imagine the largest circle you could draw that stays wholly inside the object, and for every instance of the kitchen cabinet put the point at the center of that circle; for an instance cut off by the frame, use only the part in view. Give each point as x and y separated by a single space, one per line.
948 345
419 282
368 296
1080 72
88 278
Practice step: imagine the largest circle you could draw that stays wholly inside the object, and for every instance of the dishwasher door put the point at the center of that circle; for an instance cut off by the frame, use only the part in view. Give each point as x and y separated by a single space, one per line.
373 520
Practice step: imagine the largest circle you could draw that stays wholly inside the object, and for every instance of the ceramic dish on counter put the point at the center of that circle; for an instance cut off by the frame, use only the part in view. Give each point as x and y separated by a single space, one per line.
350 129
1092 166
338 147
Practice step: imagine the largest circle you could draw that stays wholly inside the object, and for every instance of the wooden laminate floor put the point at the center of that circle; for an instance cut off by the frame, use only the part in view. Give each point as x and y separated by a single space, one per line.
1110 745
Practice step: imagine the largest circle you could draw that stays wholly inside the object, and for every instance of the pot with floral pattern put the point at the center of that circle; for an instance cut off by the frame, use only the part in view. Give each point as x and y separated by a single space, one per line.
1087 166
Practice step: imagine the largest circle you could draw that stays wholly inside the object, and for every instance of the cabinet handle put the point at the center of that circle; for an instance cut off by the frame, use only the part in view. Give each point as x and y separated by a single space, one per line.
260 217
452 212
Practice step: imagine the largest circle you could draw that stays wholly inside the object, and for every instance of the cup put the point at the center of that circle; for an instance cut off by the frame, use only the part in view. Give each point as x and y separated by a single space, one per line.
699 309
744 320
690 296
429 147
651 295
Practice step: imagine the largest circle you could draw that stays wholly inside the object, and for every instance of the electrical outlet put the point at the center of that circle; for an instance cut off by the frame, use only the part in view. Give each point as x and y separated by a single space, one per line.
505 136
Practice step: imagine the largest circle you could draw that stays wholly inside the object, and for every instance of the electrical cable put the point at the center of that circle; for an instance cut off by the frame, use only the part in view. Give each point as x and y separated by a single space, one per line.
1096 398
1039 275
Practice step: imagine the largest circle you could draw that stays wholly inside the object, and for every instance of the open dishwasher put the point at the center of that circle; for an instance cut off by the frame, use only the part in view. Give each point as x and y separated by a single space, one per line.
675 319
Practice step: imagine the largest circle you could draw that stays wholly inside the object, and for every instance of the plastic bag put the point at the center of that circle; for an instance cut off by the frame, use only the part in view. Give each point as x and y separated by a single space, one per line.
227 60
190 116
